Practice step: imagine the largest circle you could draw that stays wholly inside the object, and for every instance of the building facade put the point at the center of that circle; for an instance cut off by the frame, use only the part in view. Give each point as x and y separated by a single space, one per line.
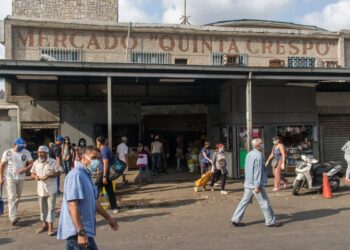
311 113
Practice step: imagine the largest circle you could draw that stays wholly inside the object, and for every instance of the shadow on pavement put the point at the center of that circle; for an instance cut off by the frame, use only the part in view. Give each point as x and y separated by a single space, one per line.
132 218
147 203
5 241
304 215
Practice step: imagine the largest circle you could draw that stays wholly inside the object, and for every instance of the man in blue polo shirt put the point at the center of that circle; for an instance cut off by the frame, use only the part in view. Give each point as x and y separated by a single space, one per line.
78 220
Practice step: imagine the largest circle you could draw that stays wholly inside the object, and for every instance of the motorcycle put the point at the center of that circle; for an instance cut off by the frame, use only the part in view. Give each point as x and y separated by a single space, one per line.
310 174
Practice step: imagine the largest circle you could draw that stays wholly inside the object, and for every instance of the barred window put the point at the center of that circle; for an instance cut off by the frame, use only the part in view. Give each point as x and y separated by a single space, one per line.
222 59
301 62
61 54
152 57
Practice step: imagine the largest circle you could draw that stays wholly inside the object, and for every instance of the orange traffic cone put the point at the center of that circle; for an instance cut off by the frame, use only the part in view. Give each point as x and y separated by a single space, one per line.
326 192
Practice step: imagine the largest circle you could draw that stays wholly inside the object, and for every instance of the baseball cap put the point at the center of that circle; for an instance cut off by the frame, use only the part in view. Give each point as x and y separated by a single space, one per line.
44 149
60 138
20 142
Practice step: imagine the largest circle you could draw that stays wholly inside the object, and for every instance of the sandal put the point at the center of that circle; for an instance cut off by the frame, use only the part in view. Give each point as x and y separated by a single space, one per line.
41 230
275 189
51 233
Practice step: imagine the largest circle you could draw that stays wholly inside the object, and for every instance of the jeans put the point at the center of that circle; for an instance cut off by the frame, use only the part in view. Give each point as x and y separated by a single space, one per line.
215 178
58 185
47 206
264 204
14 193
205 167
72 244
109 189
347 158
66 166
156 162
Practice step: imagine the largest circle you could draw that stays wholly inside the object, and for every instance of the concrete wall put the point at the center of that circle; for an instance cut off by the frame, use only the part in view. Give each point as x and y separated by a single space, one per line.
272 106
97 10
347 53
8 128
78 119
108 43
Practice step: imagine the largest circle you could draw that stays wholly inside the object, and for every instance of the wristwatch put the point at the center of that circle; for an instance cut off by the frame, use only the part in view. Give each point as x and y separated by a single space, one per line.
82 232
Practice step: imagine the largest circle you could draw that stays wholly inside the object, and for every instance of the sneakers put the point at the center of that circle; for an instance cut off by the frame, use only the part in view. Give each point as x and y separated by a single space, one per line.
216 185
113 211
276 224
14 222
237 224
224 192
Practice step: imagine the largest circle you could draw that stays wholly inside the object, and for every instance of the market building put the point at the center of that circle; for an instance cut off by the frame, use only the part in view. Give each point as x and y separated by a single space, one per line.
74 70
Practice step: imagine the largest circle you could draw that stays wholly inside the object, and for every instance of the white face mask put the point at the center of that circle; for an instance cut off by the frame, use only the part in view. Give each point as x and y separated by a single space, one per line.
275 142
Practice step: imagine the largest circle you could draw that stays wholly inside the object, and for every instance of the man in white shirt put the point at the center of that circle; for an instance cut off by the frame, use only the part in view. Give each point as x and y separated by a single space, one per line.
123 155
156 153
17 161
44 171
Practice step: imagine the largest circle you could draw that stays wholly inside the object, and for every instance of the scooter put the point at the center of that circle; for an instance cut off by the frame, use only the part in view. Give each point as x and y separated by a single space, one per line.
310 174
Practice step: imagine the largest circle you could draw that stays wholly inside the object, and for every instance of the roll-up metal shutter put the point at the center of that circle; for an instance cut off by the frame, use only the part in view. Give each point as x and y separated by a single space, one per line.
335 131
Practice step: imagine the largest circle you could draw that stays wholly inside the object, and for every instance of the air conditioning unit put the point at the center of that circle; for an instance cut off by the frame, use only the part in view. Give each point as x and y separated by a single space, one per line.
276 63
231 59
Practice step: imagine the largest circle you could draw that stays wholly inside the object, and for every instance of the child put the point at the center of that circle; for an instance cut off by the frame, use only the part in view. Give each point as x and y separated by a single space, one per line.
219 168
142 164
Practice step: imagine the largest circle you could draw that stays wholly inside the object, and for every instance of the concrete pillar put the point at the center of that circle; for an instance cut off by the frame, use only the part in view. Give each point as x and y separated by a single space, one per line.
109 110
249 111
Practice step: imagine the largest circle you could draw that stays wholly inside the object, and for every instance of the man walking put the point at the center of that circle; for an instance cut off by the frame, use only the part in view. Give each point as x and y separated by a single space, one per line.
56 153
103 179
18 161
254 185
78 213
156 152
123 155
44 171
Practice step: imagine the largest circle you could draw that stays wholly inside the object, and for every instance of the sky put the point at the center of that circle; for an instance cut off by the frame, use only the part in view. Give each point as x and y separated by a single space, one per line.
328 14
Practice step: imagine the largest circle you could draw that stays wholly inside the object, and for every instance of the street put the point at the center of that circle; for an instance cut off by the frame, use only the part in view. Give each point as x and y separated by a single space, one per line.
168 214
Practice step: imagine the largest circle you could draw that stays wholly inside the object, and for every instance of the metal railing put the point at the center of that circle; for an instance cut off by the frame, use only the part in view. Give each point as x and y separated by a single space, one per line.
153 57
217 59
61 54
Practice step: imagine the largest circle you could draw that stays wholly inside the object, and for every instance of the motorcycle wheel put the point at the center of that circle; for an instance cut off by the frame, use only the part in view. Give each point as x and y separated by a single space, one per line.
335 184
296 187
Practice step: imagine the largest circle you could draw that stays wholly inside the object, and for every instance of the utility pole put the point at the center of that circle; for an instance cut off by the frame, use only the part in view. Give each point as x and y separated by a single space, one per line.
184 18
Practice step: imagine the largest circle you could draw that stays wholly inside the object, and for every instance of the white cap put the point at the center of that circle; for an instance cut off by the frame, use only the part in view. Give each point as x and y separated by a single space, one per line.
44 149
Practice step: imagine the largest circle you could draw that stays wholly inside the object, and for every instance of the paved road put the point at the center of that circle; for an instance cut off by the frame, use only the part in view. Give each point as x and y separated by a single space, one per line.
169 215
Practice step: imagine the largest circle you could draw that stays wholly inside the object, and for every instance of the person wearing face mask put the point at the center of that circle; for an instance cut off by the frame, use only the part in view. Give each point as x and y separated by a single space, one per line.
79 206
254 186
278 163
44 171
104 168
17 161
219 168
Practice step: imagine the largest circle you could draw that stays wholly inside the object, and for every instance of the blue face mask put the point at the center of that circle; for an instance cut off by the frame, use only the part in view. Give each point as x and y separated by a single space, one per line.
93 165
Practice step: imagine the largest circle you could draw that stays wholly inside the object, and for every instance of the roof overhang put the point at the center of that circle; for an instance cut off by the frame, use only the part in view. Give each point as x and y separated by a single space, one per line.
10 69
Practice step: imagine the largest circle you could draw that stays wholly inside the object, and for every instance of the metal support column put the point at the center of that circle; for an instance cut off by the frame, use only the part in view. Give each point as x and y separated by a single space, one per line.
109 110
249 111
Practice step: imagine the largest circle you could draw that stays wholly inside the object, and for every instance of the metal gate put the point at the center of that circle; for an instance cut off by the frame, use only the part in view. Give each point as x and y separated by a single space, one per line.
334 131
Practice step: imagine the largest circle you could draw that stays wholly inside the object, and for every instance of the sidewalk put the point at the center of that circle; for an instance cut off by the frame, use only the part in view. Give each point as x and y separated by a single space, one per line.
168 214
